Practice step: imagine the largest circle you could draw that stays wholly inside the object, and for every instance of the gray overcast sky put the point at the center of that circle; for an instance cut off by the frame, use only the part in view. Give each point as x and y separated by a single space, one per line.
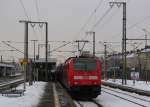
66 18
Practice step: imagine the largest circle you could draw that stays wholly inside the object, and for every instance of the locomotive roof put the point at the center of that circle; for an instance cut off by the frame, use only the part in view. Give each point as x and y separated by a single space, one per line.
81 57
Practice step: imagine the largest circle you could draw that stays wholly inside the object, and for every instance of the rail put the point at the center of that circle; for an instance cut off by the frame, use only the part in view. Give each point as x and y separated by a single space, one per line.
127 88
10 85
125 97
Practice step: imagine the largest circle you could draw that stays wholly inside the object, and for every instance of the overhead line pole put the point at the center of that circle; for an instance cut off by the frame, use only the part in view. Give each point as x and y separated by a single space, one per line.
145 68
94 44
79 41
124 41
46 51
93 33
46 42
34 59
124 76
105 60
25 52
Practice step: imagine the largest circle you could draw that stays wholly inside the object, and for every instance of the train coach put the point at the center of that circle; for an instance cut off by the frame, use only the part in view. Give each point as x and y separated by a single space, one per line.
81 76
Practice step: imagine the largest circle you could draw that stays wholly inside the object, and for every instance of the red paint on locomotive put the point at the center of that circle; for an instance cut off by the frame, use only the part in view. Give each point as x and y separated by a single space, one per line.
80 74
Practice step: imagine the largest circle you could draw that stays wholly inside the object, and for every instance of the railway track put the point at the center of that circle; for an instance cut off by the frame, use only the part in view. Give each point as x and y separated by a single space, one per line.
99 105
127 88
125 93
7 85
64 98
8 79
90 101
127 97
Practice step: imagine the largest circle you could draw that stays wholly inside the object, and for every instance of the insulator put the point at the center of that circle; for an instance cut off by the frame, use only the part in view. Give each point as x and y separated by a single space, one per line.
40 25
111 4
118 5
32 25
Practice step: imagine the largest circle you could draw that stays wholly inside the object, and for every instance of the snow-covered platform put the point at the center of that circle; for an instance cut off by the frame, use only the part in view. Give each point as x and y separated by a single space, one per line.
138 88
55 96
30 98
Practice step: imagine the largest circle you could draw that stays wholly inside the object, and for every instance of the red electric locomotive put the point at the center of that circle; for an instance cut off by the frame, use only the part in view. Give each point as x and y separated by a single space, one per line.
81 76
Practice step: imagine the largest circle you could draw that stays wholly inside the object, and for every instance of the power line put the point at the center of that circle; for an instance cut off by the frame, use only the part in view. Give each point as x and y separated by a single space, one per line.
59 41
90 17
12 47
37 10
143 20
9 41
25 12
101 18
133 25
59 47
110 18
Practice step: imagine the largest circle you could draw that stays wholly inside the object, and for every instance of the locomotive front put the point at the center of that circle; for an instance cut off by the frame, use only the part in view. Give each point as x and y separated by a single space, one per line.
85 76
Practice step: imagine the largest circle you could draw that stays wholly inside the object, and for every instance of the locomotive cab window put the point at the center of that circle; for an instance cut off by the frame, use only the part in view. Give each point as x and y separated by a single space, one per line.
85 64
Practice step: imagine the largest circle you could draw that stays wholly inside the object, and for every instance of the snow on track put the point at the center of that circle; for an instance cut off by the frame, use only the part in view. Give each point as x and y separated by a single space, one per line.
138 100
108 100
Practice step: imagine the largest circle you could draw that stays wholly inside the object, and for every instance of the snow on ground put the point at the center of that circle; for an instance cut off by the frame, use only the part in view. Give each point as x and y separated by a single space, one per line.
138 84
108 100
85 104
31 96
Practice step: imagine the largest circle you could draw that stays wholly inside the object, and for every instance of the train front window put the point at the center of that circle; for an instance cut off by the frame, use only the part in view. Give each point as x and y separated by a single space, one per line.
85 64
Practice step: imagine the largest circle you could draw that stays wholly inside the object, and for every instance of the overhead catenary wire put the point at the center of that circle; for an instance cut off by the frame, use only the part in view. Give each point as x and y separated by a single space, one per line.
28 17
10 41
37 10
13 47
109 19
25 12
60 47
89 18
133 25
101 18
17 50
136 24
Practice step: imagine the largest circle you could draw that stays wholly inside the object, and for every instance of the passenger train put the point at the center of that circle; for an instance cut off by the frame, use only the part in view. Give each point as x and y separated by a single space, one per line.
81 76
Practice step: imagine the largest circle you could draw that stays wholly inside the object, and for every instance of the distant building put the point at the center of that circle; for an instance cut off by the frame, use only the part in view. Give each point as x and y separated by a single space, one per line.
140 61
9 69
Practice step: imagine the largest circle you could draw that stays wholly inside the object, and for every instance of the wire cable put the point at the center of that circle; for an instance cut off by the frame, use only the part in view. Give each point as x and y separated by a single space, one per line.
110 18
90 17
25 12
100 19
37 10
59 47
28 18
13 47
97 23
